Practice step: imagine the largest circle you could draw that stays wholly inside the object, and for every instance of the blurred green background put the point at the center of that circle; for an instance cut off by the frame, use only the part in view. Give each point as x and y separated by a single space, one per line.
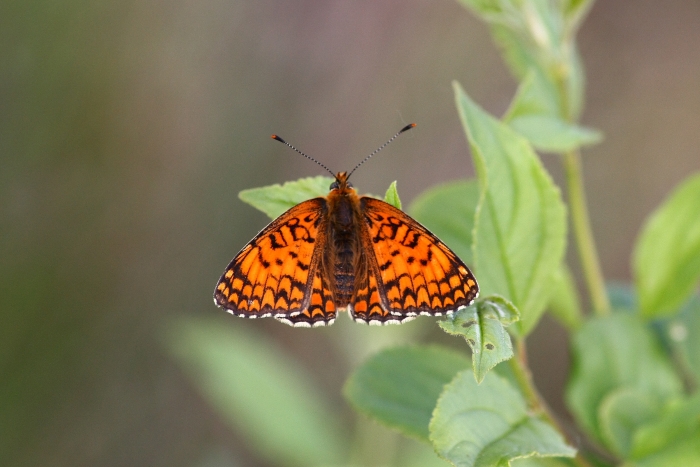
128 128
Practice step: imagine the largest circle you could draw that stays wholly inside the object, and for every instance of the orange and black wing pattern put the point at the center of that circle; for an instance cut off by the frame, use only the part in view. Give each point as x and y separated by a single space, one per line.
411 272
277 274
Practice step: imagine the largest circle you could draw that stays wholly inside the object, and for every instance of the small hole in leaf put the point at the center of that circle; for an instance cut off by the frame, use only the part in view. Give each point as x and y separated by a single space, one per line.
489 346
469 323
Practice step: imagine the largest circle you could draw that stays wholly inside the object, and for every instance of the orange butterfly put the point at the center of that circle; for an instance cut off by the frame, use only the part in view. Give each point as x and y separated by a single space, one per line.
345 251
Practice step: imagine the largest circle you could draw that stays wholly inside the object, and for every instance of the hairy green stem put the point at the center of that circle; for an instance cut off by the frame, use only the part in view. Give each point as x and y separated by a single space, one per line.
583 234
535 401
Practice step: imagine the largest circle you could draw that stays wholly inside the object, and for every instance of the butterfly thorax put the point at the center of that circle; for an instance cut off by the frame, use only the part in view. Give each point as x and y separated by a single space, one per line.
342 258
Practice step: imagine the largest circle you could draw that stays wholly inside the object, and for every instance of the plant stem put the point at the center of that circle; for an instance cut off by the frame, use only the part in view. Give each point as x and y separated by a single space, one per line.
535 401
583 234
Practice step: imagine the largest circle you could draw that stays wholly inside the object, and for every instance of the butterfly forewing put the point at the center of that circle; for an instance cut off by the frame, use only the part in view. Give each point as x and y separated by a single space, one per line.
417 273
270 275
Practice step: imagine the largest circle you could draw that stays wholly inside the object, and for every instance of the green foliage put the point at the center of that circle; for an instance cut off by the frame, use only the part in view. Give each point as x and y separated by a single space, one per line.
520 226
684 336
565 303
679 421
259 392
667 254
448 211
275 199
489 425
392 196
483 327
534 113
613 353
400 387
635 396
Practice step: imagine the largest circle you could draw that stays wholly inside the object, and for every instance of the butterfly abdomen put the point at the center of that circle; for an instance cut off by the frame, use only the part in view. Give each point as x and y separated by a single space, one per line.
345 244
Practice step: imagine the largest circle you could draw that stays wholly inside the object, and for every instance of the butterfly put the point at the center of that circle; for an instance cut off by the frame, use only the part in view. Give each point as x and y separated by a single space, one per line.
345 251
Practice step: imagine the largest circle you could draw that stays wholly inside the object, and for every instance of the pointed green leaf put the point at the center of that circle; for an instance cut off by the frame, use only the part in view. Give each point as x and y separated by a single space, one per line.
273 200
482 326
447 210
399 387
489 425
565 304
537 95
392 196
535 113
552 134
260 392
667 254
615 352
520 228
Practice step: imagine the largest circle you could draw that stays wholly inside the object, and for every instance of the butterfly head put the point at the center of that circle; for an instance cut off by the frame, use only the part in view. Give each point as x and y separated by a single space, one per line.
341 183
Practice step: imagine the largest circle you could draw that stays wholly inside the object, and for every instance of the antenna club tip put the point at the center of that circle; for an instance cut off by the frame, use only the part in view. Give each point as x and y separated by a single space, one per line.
407 127
278 138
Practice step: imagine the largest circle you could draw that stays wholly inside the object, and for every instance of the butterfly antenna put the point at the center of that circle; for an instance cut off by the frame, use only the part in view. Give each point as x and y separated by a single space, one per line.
307 156
406 128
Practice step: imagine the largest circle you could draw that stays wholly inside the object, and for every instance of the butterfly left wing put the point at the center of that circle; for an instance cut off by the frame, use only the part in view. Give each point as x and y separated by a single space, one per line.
414 272
277 273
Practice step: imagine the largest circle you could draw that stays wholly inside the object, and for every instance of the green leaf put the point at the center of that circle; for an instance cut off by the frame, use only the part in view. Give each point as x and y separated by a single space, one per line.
520 227
482 326
535 113
565 304
392 196
537 95
259 392
575 12
412 453
540 35
684 335
485 8
400 386
540 462
667 254
518 52
614 352
552 134
684 451
447 210
621 412
273 200
679 419
489 425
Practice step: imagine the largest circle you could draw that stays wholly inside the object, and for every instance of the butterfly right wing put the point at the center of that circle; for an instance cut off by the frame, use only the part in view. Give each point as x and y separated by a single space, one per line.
277 273
410 271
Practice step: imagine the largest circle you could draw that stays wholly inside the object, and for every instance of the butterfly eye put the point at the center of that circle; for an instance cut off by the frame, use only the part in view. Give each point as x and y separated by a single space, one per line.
334 185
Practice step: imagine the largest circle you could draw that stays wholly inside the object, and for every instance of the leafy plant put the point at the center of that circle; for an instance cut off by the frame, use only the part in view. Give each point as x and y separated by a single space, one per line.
633 390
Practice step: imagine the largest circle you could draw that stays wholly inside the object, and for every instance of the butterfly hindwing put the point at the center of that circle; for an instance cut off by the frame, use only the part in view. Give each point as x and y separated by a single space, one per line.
417 273
320 310
368 306
271 275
